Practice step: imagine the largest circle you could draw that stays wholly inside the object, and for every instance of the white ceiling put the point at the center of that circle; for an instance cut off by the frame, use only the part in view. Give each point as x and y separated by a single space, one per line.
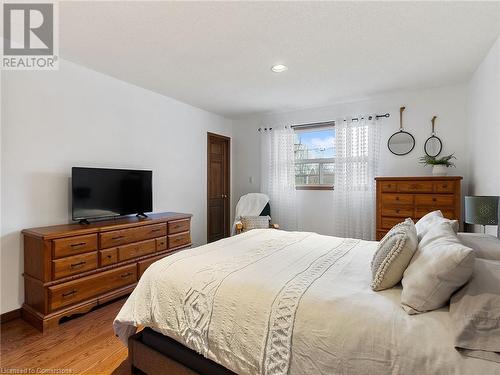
217 55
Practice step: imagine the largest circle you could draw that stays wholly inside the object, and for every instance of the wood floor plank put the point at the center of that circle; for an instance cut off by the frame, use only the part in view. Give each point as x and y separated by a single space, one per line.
83 345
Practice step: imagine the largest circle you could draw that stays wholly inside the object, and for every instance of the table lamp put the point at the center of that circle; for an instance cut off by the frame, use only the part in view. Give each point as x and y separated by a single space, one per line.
482 210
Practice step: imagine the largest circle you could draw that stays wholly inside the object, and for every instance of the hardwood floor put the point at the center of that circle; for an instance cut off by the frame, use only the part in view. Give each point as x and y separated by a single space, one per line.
85 345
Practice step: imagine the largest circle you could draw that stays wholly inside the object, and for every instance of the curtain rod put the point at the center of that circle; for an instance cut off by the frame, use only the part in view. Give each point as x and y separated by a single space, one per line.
326 123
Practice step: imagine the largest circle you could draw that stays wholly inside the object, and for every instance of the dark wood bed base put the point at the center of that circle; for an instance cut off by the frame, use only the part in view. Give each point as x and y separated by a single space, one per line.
152 353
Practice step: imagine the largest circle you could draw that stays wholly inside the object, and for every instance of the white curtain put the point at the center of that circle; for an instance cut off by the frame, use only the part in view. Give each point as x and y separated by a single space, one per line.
357 147
278 174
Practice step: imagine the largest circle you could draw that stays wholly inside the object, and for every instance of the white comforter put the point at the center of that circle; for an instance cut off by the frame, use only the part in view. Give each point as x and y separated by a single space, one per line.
275 302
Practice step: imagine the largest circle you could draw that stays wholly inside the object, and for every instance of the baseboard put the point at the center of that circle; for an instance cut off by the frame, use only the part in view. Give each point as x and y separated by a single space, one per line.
10 315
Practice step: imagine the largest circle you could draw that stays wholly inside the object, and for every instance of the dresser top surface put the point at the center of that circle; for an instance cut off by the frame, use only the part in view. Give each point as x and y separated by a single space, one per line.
419 178
66 230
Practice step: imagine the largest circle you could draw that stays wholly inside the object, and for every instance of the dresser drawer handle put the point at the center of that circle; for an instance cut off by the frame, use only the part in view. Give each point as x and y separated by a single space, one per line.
155 230
125 275
117 238
397 198
70 293
414 186
397 211
109 256
434 199
445 186
79 264
78 244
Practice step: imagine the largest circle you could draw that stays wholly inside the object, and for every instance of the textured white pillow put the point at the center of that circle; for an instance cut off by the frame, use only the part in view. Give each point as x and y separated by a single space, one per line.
431 219
393 255
440 266
255 222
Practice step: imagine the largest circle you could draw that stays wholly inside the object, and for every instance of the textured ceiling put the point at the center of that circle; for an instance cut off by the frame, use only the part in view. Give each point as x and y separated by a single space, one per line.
217 55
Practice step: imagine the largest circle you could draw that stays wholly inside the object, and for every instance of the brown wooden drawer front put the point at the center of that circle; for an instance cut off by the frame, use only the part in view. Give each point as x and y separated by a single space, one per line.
180 239
449 214
108 256
444 187
388 187
415 186
161 243
136 249
397 212
116 237
64 247
434 200
397 199
91 286
178 226
150 231
381 234
75 264
143 264
389 222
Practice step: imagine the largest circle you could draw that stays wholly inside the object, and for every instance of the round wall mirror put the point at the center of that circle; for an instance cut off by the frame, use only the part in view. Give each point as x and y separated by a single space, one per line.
401 143
433 146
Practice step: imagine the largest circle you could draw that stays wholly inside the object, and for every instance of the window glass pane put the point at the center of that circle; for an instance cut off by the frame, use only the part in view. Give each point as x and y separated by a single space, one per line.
314 154
327 173
307 173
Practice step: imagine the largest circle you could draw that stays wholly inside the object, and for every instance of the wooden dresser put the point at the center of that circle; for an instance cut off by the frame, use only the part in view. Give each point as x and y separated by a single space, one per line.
71 268
402 197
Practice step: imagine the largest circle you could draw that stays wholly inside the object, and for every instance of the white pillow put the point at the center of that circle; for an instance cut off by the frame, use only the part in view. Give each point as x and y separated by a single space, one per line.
440 266
393 254
431 219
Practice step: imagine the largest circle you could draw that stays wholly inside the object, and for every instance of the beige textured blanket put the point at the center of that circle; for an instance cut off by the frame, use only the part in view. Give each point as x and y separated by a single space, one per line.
275 302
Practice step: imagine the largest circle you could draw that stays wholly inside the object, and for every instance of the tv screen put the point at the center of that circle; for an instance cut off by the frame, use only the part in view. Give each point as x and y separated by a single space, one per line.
100 192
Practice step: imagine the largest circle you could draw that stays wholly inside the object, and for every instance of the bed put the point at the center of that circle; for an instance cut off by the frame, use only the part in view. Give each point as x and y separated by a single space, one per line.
276 302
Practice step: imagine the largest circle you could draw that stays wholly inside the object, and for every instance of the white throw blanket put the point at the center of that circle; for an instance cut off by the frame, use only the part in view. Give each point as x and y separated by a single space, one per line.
250 204
275 302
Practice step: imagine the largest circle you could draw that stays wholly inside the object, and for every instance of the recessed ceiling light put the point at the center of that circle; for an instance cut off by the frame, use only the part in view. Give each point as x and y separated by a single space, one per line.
278 68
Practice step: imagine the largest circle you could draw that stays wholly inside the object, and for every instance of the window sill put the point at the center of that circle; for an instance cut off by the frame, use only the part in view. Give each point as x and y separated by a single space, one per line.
314 187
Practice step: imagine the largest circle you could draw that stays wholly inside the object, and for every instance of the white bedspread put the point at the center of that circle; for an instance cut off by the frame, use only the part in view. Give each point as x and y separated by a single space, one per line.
275 302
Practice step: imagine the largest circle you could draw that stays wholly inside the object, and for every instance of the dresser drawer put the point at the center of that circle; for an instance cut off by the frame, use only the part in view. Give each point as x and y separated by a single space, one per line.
444 187
108 256
389 222
144 264
91 286
150 231
179 239
136 249
116 237
434 200
449 214
415 186
178 226
74 245
161 243
74 264
388 187
397 199
397 212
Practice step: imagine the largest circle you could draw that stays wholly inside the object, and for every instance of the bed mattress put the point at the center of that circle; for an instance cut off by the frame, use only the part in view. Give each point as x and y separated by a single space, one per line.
276 302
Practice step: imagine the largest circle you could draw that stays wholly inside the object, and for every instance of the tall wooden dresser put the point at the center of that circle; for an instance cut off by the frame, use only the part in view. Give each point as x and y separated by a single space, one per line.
71 268
402 197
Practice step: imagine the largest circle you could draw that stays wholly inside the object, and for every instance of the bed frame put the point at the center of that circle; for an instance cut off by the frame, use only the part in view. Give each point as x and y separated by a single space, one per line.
152 353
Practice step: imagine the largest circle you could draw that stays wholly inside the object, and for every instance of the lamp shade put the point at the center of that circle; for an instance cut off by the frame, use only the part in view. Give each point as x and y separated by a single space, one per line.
481 210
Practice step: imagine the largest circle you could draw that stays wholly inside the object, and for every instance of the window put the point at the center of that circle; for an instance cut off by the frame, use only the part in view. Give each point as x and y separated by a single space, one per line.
314 150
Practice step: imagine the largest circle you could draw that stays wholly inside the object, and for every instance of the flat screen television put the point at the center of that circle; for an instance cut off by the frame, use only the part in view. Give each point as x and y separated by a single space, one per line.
100 192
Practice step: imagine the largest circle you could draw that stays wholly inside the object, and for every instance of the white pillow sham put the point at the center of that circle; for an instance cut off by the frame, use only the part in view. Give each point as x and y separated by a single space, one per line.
431 219
393 254
441 265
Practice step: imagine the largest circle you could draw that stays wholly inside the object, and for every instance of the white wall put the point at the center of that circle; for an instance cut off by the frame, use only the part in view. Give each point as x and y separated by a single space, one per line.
448 103
52 121
484 127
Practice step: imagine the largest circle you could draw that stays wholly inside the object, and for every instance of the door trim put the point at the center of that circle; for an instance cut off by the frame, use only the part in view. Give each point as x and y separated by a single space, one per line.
227 210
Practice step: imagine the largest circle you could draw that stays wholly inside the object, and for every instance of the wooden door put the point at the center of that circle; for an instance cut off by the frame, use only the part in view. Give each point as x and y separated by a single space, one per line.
218 183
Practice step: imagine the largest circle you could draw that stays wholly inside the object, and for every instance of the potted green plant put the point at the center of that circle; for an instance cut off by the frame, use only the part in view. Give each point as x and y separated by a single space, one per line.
439 165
